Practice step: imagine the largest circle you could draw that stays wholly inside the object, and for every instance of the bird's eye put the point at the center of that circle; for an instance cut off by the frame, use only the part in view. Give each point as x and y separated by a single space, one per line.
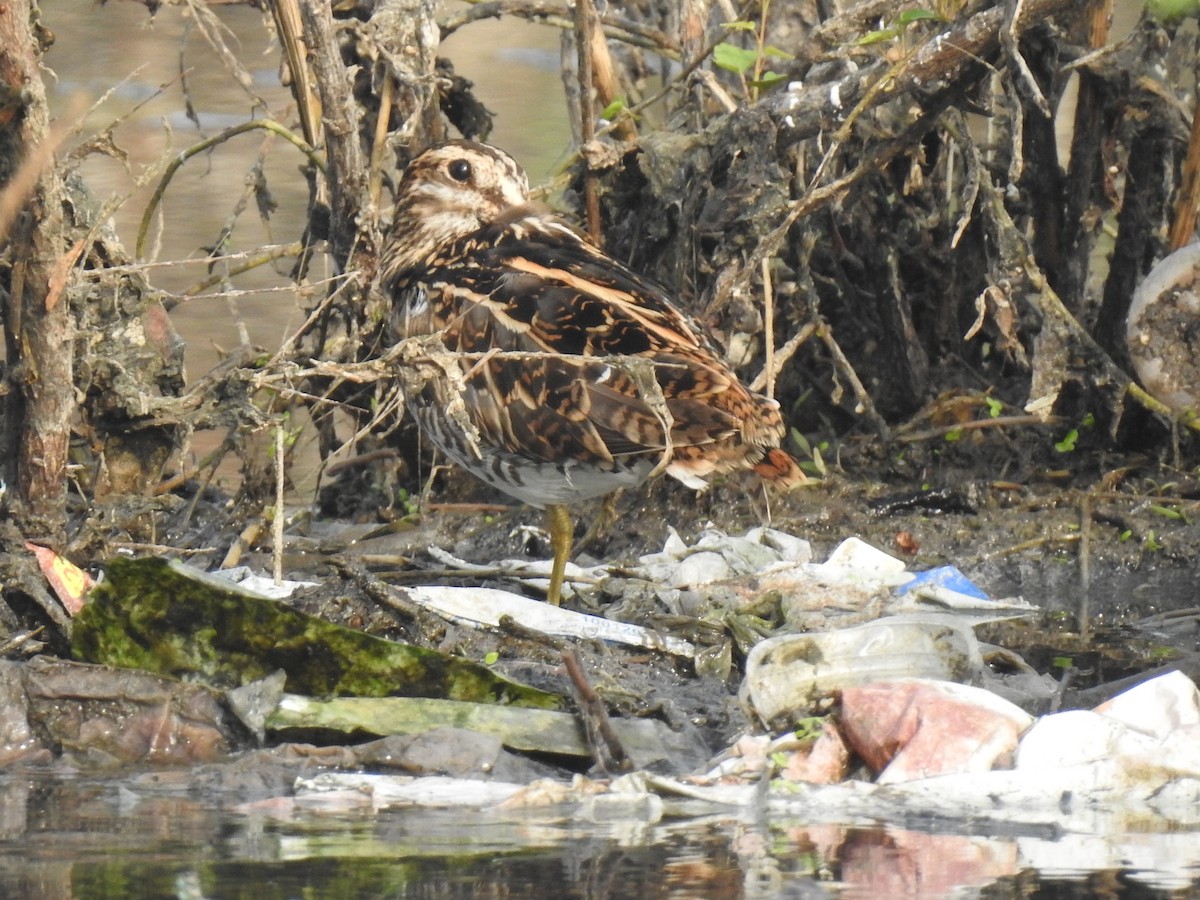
460 170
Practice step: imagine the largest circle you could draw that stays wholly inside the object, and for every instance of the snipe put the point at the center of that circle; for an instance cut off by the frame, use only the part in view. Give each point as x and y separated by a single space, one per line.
578 376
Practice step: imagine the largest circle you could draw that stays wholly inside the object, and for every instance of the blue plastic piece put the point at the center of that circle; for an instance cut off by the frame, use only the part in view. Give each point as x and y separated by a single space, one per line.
946 576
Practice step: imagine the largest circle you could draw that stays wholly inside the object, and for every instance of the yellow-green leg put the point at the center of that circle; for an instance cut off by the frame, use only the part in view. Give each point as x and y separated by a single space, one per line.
562 530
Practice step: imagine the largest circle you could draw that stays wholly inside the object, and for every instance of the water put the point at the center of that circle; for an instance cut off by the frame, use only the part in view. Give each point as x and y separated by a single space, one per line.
115 62
80 838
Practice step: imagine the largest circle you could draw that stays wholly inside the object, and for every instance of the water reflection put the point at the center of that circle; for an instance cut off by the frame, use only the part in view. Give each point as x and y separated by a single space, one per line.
77 838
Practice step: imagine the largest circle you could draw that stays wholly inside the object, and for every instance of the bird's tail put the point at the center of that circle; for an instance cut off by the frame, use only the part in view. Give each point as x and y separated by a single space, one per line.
779 467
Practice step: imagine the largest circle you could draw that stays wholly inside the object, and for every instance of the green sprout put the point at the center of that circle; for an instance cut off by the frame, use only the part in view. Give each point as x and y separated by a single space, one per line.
812 462
1067 444
897 28
750 64
1168 512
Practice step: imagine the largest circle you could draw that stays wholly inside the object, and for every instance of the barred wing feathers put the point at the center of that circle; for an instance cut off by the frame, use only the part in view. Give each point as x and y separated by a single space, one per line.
571 355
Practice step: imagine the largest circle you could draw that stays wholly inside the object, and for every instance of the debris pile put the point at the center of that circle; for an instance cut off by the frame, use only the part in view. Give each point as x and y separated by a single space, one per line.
899 710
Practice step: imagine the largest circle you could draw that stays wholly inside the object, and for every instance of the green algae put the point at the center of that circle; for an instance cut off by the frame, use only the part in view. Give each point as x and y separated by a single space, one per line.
165 617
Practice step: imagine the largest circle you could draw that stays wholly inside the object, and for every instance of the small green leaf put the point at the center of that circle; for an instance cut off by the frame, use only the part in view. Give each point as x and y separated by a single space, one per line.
916 15
1125 535
1166 512
767 79
613 109
1089 421
733 58
490 659
740 25
954 434
809 727
1063 662
995 407
771 50
801 442
1067 444
819 462
1171 12
877 37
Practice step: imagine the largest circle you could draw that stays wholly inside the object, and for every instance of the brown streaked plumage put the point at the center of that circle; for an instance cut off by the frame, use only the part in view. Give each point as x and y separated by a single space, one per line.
578 375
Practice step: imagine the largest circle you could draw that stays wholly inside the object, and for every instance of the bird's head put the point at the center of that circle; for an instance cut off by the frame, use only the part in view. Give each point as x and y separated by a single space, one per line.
448 193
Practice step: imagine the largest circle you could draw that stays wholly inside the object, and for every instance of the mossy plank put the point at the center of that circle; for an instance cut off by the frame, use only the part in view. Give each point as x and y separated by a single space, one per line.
646 742
544 731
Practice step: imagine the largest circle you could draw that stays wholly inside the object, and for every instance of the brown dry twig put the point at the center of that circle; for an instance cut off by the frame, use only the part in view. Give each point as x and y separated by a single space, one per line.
606 747
208 143
941 431
586 20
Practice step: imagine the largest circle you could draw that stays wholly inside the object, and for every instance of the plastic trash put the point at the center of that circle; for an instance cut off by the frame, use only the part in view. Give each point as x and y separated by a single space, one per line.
917 728
794 675
486 606
1159 329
